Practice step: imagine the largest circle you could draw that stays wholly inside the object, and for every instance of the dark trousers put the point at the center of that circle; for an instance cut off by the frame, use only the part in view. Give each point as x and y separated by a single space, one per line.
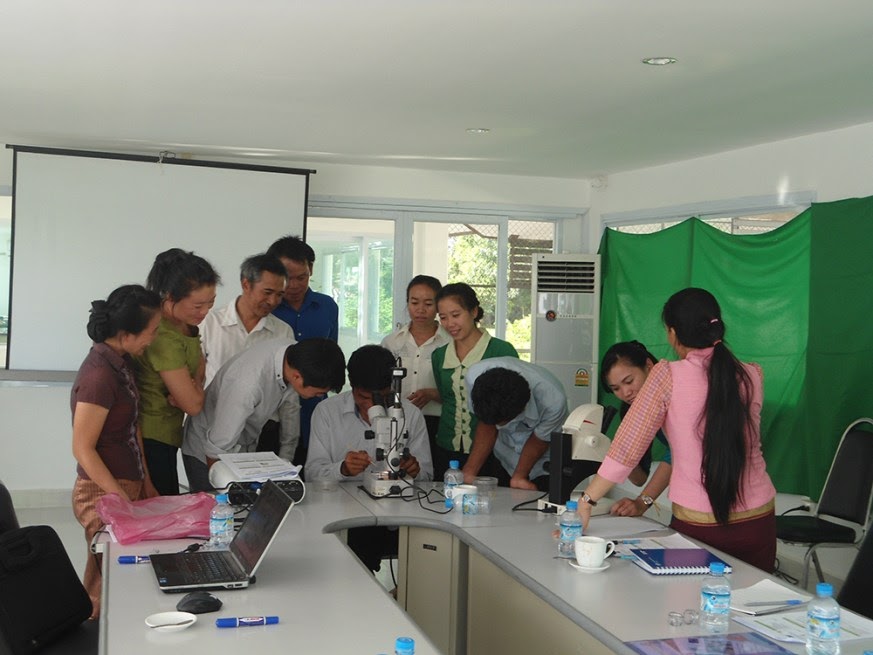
198 474
162 463
372 543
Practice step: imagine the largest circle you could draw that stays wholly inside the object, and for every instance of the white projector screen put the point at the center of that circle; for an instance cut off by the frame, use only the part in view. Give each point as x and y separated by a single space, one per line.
86 223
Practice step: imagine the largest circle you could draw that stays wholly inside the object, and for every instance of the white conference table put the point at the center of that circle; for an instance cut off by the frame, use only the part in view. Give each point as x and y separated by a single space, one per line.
513 589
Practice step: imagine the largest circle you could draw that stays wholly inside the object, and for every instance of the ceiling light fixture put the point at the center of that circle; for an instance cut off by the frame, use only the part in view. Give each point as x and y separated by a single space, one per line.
659 61
478 130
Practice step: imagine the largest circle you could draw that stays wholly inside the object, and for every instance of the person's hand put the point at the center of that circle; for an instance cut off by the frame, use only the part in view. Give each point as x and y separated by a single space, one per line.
584 512
410 465
469 478
148 489
418 398
355 463
522 483
628 507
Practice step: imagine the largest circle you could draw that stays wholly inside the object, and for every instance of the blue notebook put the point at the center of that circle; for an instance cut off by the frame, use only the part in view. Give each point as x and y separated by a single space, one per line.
676 561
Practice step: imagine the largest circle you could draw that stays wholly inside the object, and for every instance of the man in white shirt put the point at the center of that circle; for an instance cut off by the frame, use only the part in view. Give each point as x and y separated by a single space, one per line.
256 383
248 319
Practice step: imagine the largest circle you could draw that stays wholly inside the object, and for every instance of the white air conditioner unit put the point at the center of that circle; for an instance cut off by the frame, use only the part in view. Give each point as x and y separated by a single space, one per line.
566 322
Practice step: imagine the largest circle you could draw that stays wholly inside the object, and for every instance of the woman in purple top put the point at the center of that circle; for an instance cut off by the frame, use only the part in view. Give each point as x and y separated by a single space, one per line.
104 401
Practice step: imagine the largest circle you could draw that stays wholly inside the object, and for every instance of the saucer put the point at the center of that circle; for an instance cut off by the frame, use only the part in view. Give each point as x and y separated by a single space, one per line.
588 569
171 621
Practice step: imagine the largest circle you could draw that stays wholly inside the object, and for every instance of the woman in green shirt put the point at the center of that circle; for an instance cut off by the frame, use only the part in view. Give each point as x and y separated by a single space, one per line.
459 312
171 371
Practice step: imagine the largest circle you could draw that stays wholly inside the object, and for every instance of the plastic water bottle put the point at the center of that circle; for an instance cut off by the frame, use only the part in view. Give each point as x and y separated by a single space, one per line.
476 504
715 600
452 478
823 622
220 523
404 646
571 527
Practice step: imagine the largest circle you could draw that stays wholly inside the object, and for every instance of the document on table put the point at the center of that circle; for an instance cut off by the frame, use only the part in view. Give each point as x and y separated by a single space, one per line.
610 527
791 626
259 467
766 591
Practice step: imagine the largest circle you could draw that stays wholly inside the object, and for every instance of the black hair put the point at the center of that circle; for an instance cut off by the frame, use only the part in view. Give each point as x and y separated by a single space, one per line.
499 395
253 267
293 248
128 309
466 297
370 368
695 317
425 280
633 352
176 273
320 362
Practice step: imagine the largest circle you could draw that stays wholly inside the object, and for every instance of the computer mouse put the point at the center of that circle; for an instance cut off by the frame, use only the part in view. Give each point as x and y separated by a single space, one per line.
199 602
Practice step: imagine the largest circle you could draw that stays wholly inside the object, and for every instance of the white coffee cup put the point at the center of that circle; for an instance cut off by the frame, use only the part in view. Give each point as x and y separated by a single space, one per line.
591 551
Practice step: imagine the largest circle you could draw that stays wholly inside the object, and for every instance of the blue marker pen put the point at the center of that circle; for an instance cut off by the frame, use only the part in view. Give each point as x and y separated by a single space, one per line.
133 559
243 621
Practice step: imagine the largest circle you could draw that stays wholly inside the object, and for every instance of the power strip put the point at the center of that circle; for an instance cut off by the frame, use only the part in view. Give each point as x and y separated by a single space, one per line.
544 505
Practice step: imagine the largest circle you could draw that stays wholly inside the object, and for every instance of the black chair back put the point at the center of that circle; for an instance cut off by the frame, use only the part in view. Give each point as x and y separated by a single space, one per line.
855 594
8 518
851 471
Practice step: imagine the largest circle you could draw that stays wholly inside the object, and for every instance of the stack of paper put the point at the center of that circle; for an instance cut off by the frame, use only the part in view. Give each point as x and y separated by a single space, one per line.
259 467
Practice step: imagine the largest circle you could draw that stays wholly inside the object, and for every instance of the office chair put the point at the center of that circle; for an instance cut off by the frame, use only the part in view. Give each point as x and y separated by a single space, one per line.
32 602
855 594
842 516
8 519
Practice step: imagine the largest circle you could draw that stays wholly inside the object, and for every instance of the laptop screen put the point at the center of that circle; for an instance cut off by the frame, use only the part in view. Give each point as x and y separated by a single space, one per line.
261 526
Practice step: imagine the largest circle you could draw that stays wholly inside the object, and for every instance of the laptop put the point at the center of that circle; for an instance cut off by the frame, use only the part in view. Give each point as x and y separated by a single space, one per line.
228 569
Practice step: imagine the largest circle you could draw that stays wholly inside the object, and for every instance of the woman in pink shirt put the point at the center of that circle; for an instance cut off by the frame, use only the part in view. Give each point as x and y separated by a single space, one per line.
709 405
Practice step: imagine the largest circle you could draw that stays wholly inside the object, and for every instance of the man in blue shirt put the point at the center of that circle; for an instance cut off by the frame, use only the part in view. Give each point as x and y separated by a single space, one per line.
518 405
309 313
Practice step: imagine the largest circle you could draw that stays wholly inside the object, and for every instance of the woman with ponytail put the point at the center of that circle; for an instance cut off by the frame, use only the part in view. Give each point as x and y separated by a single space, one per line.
106 442
709 405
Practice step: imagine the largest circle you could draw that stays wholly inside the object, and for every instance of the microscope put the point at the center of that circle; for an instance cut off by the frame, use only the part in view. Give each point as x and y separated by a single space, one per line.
388 428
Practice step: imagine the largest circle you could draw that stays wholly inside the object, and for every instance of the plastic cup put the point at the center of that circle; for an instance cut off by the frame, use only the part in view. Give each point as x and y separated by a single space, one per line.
486 485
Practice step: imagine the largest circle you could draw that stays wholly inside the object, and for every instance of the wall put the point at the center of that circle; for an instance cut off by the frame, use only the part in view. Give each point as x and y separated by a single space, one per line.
836 165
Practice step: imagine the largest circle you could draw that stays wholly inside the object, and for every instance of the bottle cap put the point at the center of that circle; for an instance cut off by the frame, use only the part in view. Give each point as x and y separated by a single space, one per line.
454 464
404 646
572 506
221 498
717 568
824 589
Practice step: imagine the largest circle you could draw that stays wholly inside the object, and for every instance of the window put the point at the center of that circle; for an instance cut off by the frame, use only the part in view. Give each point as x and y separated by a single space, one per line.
748 224
5 268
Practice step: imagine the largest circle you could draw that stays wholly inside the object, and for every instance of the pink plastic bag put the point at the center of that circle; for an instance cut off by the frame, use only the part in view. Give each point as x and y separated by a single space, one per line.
162 517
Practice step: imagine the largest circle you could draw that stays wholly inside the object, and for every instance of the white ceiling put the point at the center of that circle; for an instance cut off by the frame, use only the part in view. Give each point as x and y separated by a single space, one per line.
397 82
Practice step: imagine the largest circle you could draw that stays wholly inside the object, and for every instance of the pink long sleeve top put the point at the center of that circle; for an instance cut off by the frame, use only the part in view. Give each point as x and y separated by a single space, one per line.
673 398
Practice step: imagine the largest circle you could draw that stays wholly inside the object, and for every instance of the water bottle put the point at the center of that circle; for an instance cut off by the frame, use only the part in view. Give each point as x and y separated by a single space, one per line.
476 504
220 523
404 646
571 527
823 622
452 478
715 600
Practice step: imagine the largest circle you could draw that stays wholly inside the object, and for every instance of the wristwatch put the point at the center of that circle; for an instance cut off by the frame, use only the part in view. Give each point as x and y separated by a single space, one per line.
587 499
648 501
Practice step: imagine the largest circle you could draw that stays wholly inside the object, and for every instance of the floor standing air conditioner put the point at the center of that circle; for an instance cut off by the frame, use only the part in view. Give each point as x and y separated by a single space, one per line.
566 322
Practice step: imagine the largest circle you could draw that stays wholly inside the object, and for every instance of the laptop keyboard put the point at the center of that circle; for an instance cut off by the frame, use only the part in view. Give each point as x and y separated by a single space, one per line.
209 567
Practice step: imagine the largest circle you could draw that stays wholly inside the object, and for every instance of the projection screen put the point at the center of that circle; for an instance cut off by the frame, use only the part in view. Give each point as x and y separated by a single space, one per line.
85 223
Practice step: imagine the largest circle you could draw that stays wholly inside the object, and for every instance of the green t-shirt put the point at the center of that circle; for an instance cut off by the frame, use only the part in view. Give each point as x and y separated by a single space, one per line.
171 350
457 423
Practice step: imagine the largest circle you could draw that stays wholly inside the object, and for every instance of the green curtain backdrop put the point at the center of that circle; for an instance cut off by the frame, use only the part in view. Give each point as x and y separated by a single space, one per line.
797 300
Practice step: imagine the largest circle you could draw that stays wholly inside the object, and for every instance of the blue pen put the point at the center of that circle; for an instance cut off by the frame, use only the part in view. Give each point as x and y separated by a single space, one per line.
243 621
765 603
133 559
626 556
629 541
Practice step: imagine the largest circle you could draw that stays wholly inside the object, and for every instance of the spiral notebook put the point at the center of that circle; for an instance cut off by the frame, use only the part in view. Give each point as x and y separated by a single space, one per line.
676 561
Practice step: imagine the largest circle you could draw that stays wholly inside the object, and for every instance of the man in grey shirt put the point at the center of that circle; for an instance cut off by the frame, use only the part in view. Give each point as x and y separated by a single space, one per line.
248 390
